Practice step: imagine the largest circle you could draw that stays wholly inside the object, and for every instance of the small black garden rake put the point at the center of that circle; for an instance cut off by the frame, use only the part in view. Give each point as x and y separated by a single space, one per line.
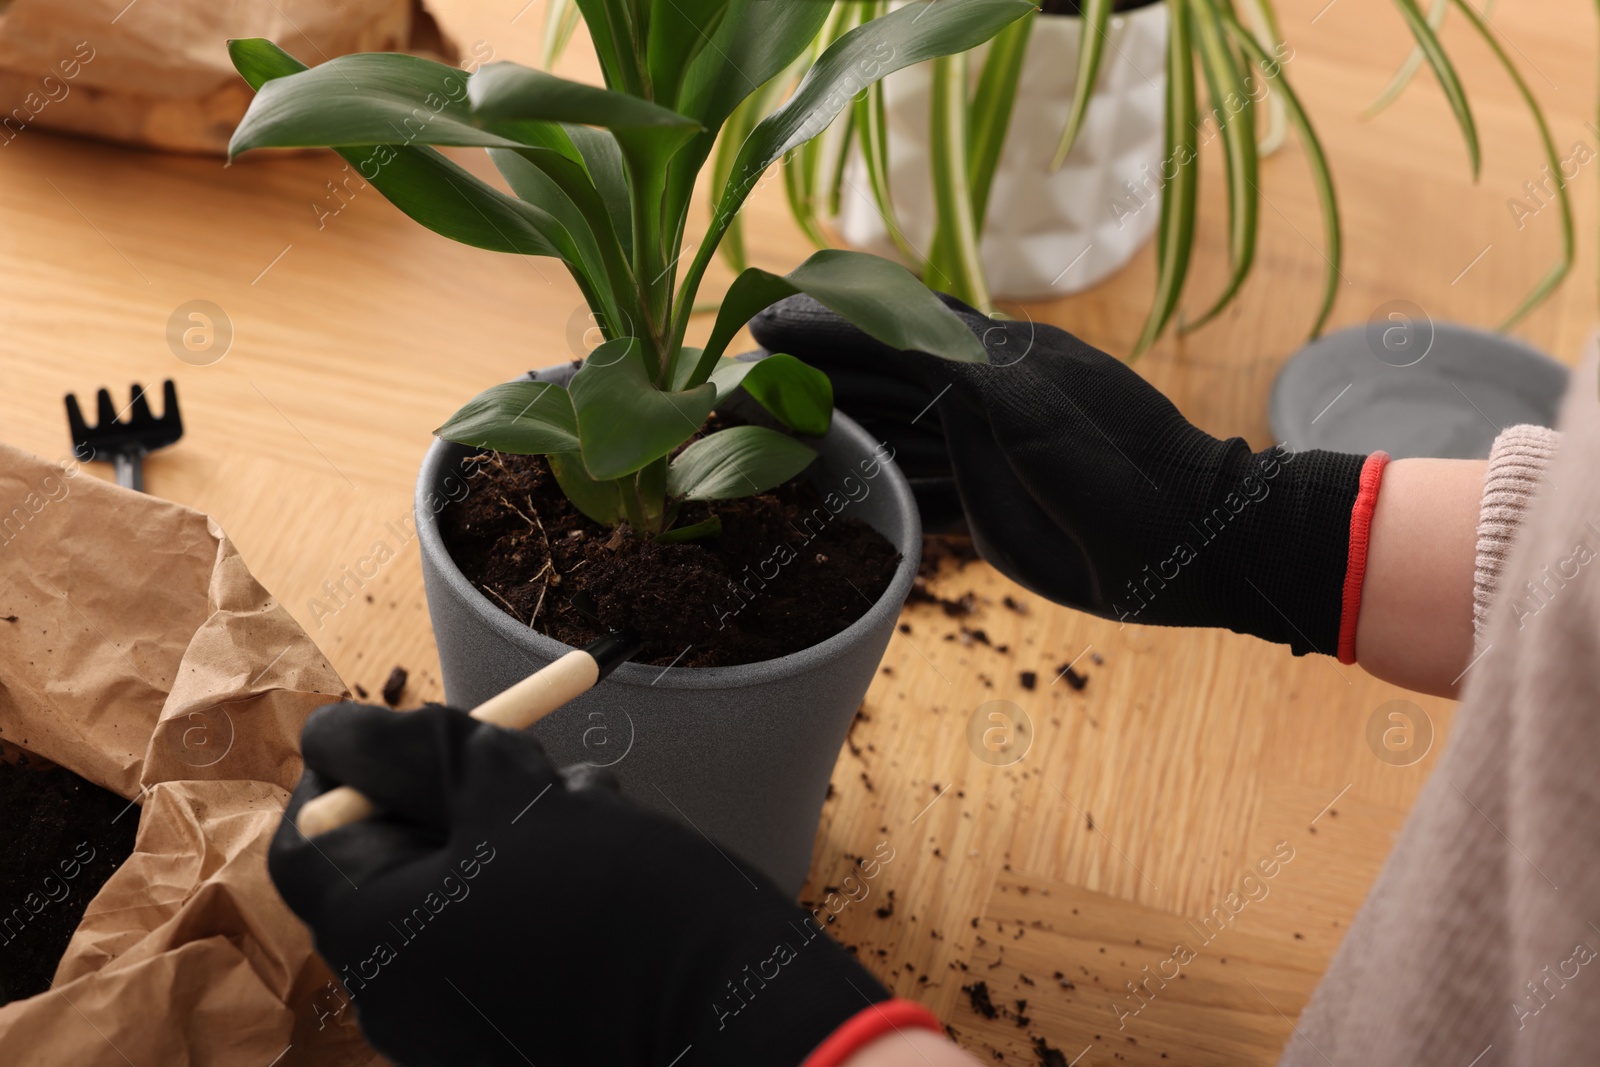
125 444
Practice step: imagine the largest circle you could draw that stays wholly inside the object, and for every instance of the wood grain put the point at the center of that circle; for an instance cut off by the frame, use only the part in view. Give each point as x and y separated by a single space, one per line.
1142 800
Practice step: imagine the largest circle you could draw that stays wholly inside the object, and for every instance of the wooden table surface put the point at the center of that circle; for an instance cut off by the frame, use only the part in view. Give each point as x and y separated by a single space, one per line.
1145 798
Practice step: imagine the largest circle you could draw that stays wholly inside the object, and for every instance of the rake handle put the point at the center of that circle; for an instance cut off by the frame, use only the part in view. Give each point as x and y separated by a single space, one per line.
517 708
129 467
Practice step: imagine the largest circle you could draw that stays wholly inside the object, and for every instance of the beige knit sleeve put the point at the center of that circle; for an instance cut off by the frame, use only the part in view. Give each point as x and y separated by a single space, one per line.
1516 468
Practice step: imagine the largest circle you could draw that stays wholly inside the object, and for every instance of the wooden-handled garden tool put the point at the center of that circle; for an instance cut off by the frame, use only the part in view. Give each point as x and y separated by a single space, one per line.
517 708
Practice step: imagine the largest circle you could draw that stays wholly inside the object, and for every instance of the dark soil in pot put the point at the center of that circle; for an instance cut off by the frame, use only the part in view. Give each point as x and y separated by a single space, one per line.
62 838
787 572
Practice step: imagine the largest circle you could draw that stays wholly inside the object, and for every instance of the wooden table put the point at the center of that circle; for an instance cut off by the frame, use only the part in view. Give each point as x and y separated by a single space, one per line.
1145 797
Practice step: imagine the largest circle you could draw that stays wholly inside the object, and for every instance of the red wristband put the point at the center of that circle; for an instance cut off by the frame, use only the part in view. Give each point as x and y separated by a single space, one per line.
869 1024
1356 565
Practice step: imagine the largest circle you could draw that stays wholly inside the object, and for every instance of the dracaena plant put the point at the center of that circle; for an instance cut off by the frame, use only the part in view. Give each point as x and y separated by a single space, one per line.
602 179
1237 53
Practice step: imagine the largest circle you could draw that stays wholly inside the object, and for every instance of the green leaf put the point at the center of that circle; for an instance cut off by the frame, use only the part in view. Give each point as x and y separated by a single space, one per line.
698 532
752 110
524 418
799 179
1316 159
956 261
601 501
603 158
621 54
367 99
684 363
739 462
424 184
797 395
808 169
753 43
872 122
756 42
509 91
1262 21
1445 71
992 106
560 20
624 421
1558 271
259 61
919 31
679 31
551 181
1227 82
1175 238
452 202
882 298
1091 47
1413 63
390 98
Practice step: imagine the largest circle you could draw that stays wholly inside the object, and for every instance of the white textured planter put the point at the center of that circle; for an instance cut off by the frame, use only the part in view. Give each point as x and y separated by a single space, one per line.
1046 234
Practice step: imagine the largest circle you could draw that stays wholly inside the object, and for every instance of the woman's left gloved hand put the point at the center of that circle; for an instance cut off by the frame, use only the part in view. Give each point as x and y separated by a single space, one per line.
504 912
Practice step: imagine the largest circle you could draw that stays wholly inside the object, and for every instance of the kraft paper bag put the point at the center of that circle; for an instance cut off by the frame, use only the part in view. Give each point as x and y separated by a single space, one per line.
144 657
157 73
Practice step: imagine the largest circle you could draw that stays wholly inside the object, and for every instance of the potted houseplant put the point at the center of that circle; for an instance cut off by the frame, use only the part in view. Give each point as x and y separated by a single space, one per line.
1012 173
618 451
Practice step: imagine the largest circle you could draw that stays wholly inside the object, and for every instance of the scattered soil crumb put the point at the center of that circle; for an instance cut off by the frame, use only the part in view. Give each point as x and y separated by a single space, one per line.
1072 677
965 605
395 687
1015 605
940 549
1029 679
9 618
361 691
1048 1055
978 994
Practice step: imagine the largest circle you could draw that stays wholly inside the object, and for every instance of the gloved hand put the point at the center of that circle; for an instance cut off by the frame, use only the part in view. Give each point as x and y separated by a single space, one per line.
508 913
1081 482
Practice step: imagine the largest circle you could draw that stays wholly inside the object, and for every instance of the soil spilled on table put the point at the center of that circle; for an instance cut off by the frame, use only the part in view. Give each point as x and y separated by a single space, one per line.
785 573
63 838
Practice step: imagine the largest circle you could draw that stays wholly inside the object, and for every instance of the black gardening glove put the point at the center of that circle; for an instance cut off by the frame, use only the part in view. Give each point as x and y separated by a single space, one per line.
508 913
1083 483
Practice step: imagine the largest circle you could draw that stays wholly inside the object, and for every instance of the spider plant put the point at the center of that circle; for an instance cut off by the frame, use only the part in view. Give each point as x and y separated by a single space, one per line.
602 179
1239 56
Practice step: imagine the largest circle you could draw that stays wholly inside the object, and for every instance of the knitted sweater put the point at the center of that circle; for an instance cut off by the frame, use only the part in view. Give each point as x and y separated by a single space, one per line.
1478 943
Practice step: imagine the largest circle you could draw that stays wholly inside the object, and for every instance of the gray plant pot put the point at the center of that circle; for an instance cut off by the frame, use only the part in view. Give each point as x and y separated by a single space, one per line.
743 754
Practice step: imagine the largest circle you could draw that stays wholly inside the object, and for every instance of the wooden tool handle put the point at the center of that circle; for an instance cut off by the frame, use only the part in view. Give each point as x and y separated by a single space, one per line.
517 708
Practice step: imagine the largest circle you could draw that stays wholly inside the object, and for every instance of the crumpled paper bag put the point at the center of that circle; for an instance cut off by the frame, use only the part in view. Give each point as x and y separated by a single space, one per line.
144 657
157 73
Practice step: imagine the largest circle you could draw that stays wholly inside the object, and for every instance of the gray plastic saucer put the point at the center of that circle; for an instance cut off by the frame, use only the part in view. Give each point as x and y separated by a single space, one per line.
1411 387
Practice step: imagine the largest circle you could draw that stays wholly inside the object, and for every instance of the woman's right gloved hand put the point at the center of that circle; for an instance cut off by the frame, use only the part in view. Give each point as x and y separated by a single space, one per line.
501 912
1081 482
